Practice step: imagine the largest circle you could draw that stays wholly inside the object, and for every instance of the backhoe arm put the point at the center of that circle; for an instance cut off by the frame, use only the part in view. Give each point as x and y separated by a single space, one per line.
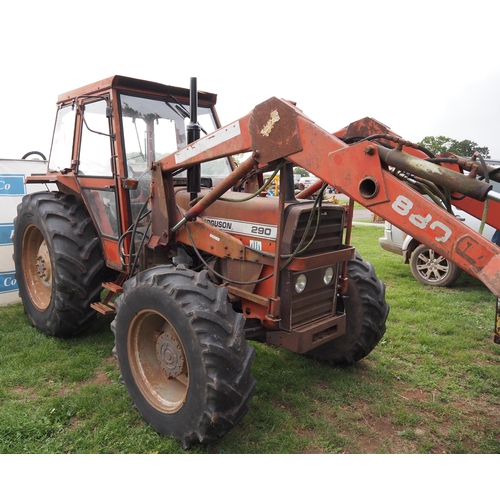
276 130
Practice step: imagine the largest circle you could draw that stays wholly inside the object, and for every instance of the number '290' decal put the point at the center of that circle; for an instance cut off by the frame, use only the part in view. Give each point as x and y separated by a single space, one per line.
240 227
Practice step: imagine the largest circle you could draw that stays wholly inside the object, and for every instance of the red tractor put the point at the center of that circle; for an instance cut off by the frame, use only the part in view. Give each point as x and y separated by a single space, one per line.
194 258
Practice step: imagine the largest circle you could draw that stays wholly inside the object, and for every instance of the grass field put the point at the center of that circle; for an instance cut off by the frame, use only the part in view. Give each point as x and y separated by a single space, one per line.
430 386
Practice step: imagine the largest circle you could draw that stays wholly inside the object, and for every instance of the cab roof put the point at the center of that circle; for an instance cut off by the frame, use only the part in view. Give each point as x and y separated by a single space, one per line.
125 83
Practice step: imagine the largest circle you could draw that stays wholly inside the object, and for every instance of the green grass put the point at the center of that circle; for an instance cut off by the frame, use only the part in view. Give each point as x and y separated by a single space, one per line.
430 386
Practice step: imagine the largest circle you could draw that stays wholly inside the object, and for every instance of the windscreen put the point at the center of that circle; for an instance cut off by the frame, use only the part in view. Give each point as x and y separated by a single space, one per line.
154 128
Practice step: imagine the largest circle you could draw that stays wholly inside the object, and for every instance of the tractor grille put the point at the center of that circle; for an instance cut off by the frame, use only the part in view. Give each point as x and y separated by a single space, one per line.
328 236
318 300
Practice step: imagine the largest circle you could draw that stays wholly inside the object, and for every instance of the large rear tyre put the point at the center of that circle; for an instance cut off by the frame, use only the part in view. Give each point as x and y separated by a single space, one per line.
182 354
366 313
58 261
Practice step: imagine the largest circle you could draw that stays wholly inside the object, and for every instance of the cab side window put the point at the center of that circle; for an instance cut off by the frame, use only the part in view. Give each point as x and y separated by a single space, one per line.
95 147
62 141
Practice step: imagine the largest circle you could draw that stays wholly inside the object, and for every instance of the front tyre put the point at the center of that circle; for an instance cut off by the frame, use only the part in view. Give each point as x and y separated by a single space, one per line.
366 314
59 264
182 354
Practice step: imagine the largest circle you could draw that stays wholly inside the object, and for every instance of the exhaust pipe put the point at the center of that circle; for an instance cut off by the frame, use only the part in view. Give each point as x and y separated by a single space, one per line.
193 134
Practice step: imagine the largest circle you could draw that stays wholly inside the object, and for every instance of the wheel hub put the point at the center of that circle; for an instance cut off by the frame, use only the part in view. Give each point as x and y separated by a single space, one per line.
43 267
169 354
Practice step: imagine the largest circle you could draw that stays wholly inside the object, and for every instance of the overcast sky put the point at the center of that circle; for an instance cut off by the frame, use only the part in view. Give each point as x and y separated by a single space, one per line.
422 68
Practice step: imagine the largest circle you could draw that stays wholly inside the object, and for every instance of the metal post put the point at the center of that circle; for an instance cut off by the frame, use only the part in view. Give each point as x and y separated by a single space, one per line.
496 336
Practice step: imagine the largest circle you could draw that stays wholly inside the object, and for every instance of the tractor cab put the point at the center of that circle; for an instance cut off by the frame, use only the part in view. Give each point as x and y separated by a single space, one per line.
107 137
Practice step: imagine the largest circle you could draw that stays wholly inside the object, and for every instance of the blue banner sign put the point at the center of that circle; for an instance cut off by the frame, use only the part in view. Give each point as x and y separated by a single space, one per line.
8 282
6 233
12 185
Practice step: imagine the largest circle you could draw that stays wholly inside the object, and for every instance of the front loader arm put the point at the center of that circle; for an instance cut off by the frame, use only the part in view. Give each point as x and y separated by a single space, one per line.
359 172
361 176
276 129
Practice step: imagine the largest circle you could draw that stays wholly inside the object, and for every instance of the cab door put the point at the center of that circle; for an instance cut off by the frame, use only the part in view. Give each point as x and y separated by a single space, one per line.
96 173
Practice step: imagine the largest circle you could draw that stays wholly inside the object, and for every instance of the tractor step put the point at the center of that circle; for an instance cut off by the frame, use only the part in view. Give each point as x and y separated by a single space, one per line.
106 306
103 308
113 287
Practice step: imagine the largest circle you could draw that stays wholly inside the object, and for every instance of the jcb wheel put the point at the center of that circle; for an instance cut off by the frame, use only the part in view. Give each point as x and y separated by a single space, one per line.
366 313
58 263
182 354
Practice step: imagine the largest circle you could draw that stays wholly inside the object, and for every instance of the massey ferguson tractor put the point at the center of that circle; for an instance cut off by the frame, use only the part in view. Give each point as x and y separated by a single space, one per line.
148 218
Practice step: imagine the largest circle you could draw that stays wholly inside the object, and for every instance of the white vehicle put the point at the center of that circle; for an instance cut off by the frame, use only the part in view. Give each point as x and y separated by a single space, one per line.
426 265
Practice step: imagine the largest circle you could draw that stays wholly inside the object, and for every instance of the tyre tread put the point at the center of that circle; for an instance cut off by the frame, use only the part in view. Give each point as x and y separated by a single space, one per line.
77 261
369 297
227 362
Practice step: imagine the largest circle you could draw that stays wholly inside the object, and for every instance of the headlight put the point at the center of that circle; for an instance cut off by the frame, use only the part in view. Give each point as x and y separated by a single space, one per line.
328 276
300 283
